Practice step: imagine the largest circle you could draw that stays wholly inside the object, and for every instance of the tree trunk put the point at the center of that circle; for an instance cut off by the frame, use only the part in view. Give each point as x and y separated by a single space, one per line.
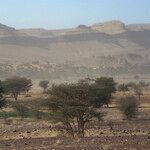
107 105
80 126
139 98
69 127
15 96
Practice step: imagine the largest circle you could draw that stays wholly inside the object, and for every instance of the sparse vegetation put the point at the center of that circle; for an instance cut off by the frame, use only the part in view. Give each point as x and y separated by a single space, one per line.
73 109
75 88
2 99
44 85
123 87
143 84
4 114
20 109
105 88
16 85
138 91
129 106
71 103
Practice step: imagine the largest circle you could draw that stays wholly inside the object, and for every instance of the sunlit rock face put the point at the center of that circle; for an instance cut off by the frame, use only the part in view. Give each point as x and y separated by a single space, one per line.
111 27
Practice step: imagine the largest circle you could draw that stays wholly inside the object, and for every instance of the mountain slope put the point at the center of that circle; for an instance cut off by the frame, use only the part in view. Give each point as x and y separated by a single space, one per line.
111 27
110 48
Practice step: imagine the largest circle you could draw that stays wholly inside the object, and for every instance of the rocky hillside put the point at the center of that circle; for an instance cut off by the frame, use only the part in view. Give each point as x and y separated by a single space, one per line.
110 48
112 27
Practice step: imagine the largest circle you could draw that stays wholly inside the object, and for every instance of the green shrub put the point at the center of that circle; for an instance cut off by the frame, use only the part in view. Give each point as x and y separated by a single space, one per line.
4 114
21 110
128 106
37 114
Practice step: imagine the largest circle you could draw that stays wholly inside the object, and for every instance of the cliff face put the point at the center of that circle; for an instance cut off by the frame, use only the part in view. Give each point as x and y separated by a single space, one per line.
111 27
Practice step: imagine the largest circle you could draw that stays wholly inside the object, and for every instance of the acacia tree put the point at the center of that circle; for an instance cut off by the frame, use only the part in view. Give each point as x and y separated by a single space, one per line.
143 84
71 106
138 91
44 85
2 99
16 85
131 85
123 87
105 87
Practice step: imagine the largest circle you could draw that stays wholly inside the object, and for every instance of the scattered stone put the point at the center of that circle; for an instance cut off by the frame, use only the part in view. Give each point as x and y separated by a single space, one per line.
15 131
7 144
124 131
34 130
6 131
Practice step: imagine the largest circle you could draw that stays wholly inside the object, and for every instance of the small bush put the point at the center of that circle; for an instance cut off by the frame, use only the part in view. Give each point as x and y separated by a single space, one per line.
123 87
128 106
37 114
4 114
20 109
2 102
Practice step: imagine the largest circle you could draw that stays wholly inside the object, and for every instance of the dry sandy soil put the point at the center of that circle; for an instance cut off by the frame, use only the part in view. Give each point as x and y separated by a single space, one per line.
30 134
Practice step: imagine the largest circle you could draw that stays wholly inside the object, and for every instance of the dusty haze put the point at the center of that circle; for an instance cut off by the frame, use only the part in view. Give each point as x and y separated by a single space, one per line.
110 48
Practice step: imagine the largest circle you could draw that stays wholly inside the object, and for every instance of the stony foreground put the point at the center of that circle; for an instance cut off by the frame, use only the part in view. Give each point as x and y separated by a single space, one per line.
134 142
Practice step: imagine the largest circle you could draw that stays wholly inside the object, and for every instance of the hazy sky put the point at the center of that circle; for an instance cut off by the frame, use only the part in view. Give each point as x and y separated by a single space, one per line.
70 13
